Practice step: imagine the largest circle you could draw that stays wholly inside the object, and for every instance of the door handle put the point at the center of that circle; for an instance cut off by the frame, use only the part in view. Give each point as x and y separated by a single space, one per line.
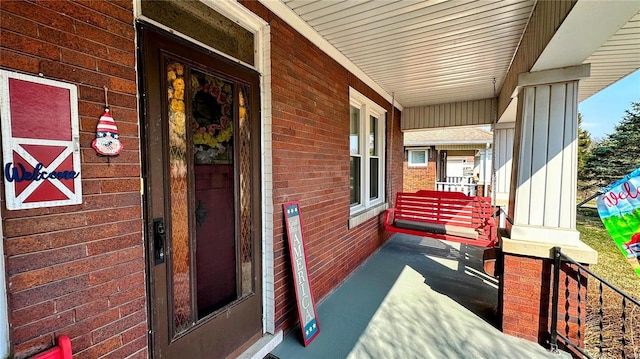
159 240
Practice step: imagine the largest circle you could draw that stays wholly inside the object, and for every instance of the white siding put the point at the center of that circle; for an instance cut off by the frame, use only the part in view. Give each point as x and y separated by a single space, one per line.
545 194
503 158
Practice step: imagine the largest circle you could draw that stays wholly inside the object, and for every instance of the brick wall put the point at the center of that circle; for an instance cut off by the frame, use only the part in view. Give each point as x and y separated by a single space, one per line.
395 157
526 293
417 178
79 270
310 95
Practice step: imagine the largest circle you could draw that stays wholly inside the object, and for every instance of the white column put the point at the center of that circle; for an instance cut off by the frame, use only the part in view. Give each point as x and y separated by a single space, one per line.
482 167
487 170
503 149
504 134
543 188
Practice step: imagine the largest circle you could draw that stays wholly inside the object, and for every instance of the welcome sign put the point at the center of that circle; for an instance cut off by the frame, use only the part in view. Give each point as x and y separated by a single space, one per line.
40 142
306 303
619 209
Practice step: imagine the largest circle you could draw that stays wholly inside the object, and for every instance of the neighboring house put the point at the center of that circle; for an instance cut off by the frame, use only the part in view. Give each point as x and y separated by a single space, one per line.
443 158
227 110
460 166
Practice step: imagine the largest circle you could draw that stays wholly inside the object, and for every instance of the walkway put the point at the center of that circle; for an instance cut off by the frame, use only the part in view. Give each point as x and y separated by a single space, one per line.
415 298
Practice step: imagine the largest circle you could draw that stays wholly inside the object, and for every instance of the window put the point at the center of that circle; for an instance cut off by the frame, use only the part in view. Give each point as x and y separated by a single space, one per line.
367 150
418 158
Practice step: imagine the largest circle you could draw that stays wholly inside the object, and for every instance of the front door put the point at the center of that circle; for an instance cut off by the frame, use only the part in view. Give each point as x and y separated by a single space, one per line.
202 192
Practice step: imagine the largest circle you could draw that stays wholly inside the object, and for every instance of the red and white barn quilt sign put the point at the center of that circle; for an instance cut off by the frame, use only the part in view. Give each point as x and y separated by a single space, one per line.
40 142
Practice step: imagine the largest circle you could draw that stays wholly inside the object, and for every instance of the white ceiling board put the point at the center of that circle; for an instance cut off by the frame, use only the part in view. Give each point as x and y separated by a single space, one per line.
425 52
614 60
436 51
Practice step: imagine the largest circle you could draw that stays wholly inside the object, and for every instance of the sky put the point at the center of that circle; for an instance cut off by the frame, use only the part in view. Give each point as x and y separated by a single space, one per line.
602 111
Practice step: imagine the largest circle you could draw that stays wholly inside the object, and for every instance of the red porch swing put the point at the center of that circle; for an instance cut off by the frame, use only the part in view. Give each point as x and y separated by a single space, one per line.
451 216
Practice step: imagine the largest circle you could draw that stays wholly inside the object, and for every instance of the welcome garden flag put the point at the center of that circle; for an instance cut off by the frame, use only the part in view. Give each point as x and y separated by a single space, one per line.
619 209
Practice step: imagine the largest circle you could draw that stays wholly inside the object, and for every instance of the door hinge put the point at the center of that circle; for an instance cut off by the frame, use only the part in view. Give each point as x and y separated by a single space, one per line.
141 186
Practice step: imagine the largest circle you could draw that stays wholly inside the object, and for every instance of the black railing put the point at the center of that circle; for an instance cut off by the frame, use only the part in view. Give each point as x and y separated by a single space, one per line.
626 348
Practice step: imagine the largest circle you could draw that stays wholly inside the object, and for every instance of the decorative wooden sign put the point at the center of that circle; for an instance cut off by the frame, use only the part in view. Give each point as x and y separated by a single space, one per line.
40 142
306 304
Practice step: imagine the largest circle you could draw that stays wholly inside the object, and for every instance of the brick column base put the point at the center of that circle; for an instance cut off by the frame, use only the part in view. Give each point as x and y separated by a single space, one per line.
526 290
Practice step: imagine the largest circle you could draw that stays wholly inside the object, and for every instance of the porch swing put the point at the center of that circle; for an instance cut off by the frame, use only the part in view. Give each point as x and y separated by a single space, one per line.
450 216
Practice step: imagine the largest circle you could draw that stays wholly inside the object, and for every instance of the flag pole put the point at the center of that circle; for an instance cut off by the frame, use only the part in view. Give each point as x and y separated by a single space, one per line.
599 192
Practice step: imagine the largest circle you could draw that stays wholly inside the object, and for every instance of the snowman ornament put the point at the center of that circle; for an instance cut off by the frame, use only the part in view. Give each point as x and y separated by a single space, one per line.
107 142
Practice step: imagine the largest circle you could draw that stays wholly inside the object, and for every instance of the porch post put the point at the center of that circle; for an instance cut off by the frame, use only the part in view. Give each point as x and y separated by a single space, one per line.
503 155
542 200
544 176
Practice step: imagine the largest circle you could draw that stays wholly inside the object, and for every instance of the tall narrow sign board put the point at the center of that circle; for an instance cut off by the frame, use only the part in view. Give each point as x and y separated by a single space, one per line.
306 304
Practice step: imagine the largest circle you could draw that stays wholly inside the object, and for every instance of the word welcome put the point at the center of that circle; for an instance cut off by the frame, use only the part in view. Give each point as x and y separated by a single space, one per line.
629 191
19 173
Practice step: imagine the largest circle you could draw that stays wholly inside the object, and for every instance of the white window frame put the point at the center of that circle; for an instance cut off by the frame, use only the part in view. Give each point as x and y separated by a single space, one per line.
418 164
369 108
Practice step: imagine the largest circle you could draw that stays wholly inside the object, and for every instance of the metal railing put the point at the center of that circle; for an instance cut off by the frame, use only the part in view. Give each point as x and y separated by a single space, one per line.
464 184
626 325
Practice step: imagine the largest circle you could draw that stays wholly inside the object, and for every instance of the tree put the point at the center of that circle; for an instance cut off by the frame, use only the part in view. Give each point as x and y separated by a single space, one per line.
584 147
584 143
616 155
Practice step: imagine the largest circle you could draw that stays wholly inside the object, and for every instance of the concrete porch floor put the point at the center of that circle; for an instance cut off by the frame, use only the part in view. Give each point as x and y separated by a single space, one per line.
415 298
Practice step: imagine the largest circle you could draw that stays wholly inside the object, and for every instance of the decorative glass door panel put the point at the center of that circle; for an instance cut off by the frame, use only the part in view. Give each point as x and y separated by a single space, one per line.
212 128
179 197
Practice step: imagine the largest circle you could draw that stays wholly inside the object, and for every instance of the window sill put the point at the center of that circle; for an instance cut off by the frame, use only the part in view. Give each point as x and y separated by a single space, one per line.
367 214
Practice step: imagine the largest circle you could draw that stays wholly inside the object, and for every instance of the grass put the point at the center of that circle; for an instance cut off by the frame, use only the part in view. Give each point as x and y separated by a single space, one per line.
612 265
614 268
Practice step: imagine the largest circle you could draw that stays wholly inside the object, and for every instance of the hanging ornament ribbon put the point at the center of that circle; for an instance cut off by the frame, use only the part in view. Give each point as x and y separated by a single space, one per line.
107 142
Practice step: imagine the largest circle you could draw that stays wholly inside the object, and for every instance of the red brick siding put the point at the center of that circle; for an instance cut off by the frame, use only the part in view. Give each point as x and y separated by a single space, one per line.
310 93
79 270
417 178
395 153
527 287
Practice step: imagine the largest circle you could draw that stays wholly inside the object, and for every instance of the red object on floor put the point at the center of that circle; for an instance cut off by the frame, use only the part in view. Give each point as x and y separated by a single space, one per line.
60 351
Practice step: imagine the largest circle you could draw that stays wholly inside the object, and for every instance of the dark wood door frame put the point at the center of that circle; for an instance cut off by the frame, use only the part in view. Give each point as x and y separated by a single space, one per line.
151 39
